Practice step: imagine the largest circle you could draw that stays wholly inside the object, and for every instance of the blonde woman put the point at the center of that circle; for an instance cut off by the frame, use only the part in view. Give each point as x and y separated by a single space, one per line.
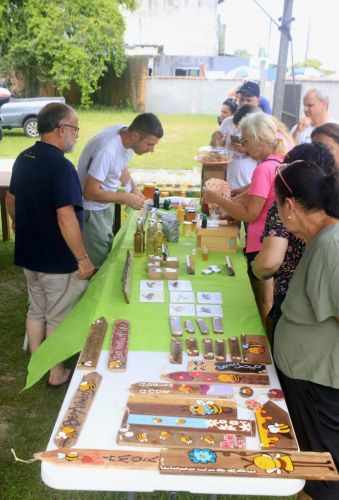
266 140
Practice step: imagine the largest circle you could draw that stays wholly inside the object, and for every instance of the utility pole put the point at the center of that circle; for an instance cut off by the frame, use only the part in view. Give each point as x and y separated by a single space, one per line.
285 38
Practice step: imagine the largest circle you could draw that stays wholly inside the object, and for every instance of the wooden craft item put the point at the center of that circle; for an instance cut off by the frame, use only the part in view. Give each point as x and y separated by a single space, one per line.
76 414
218 378
176 351
203 460
275 428
172 438
219 239
217 325
170 274
165 388
208 348
233 344
117 360
226 366
91 351
172 262
126 279
192 346
220 350
155 259
176 329
154 273
202 326
188 407
107 459
255 349
190 268
229 267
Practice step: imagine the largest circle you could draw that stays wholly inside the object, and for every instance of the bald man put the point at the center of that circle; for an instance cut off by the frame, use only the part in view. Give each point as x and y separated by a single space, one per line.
316 114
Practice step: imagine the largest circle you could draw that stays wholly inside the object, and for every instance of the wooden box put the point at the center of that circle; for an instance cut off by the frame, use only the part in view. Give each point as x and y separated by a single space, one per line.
172 262
218 239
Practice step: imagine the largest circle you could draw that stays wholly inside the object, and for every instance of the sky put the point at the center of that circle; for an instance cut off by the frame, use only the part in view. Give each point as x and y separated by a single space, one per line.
248 27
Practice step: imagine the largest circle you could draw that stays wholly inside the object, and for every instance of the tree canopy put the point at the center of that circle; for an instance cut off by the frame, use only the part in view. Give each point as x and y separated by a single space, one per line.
62 41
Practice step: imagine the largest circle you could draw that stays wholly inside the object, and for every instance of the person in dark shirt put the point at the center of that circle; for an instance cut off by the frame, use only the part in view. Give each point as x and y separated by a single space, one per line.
44 202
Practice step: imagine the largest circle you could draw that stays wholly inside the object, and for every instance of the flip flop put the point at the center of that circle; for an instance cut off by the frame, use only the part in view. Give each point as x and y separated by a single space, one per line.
55 386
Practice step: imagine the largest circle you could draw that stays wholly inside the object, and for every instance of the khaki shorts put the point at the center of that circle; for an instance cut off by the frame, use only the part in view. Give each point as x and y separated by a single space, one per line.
51 296
98 233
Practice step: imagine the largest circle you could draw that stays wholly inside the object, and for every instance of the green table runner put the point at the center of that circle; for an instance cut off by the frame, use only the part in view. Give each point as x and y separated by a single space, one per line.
149 321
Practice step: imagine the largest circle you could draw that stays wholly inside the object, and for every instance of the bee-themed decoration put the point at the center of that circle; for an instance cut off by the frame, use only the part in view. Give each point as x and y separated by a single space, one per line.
275 428
91 351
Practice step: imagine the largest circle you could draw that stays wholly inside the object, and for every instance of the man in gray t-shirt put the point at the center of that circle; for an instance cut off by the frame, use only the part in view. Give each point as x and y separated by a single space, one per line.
103 167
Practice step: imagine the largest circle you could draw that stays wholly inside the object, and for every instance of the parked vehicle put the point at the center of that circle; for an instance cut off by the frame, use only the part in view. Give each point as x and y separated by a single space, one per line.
22 113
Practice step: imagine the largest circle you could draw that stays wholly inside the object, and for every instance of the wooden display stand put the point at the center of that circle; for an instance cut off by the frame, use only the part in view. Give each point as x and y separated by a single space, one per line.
218 239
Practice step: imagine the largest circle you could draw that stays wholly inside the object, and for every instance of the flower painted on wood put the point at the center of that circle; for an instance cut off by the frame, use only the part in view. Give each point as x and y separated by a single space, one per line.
202 456
184 376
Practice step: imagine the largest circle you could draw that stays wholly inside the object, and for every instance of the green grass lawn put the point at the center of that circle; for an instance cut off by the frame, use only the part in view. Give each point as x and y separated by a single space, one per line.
184 134
27 418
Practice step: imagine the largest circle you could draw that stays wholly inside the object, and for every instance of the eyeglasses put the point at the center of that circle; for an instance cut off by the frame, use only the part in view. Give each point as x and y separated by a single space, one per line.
77 129
243 141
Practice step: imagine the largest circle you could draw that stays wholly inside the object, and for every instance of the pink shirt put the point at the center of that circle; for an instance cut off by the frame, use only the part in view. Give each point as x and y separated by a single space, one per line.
262 185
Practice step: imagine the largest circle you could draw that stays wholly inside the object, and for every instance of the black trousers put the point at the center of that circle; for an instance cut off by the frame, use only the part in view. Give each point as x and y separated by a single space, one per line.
314 410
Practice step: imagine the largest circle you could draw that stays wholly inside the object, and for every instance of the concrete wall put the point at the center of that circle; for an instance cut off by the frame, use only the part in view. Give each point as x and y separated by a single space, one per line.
164 65
155 22
203 96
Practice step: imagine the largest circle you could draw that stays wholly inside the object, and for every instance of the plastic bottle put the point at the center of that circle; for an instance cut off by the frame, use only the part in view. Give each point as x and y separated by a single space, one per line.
180 213
205 253
138 240
204 222
156 198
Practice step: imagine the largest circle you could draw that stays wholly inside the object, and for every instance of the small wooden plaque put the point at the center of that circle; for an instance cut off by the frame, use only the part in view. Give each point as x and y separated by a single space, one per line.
226 366
275 428
76 414
218 378
165 388
91 351
255 349
126 279
233 344
119 347
176 351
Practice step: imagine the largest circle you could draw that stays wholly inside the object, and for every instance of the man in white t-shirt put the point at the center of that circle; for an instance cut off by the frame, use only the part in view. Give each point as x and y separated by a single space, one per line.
103 168
316 114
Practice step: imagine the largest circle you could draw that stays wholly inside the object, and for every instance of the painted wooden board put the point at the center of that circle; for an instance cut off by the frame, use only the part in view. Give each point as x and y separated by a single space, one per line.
143 423
226 366
176 351
164 388
233 344
186 407
172 438
220 350
126 278
91 351
204 461
107 459
117 360
275 428
221 378
76 414
255 349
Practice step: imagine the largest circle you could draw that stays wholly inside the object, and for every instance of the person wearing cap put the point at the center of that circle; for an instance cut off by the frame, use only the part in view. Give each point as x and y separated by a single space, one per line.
249 93
316 114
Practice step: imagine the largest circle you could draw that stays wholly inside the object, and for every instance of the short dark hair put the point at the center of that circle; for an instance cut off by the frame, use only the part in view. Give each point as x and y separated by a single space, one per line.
329 129
312 177
232 104
51 116
243 111
146 124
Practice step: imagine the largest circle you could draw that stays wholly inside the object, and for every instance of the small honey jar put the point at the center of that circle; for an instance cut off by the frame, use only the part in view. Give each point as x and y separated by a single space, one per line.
187 228
189 214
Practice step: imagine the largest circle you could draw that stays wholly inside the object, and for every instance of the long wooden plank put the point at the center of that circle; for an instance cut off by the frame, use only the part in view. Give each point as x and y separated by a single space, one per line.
226 366
204 461
275 428
117 360
76 414
165 388
211 378
126 278
172 438
108 459
190 407
255 349
91 351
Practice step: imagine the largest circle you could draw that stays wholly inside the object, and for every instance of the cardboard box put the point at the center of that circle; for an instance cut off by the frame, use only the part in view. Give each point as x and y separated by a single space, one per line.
220 239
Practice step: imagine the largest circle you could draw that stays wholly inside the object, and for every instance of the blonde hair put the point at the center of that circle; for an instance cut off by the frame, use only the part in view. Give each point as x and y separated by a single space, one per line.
265 128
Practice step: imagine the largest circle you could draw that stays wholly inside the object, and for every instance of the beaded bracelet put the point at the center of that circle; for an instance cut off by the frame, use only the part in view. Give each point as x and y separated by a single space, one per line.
81 259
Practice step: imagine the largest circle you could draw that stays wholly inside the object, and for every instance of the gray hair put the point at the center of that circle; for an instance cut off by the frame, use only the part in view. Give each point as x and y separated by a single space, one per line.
319 93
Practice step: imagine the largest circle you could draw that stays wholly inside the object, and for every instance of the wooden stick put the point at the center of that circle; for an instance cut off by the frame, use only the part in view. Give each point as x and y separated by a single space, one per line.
91 350
106 459
119 347
302 465
76 414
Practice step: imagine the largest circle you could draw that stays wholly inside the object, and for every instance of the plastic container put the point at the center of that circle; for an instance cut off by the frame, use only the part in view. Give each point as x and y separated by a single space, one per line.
187 228
148 191
205 253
